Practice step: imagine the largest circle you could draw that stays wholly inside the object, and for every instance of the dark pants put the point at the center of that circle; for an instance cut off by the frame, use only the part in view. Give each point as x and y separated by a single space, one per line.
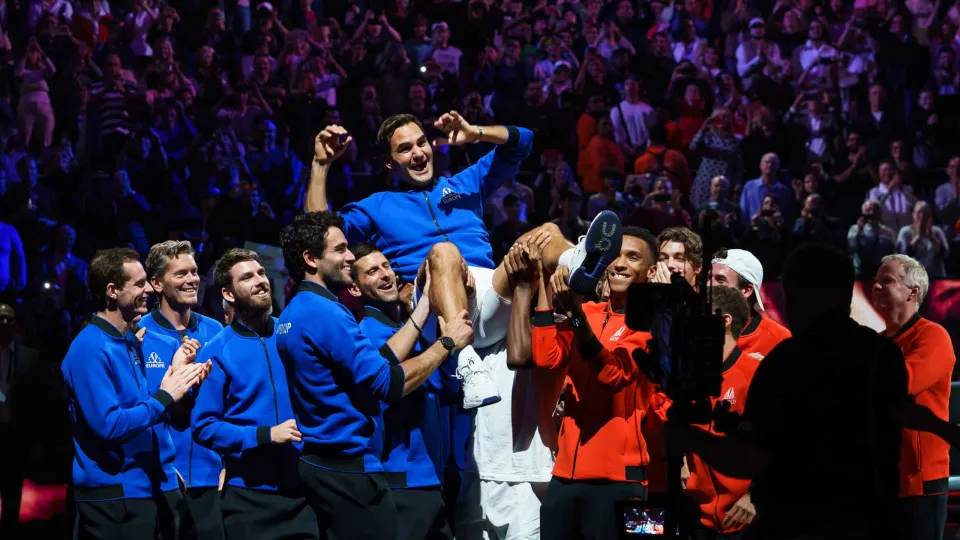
266 515
922 517
202 520
11 485
421 514
121 519
585 510
354 506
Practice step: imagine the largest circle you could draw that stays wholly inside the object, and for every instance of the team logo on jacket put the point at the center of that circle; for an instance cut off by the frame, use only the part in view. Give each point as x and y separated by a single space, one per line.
449 196
154 361
730 396
616 335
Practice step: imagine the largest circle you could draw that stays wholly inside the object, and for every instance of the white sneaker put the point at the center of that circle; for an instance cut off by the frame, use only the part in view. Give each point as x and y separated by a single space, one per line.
478 388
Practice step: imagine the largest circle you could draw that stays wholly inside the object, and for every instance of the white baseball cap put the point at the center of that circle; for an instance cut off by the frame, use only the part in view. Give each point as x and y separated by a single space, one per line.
747 266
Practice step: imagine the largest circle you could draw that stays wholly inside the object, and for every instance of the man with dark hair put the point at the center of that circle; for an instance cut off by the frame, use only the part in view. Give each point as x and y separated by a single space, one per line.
172 274
740 269
681 252
406 447
439 219
819 412
123 467
724 501
602 456
338 379
244 412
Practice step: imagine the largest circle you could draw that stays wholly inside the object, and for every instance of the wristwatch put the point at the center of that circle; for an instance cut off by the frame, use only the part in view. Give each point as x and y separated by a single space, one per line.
447 343
578 322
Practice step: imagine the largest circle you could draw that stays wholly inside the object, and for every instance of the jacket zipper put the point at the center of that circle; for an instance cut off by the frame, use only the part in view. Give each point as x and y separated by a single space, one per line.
434 216
576 451
273 386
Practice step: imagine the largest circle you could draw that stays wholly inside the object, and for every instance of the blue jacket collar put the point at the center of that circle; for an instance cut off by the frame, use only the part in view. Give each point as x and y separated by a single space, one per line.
106 327
316 288
164 322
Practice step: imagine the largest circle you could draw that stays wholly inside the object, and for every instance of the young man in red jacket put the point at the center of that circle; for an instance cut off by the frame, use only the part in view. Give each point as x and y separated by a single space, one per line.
898 291
602 456
724 501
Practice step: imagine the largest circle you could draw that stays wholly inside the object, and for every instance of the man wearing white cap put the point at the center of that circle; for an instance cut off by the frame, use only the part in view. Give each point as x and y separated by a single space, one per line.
739 269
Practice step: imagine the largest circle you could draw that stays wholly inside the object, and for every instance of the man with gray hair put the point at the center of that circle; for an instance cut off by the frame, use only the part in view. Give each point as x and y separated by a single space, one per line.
751 198
897 293
172 274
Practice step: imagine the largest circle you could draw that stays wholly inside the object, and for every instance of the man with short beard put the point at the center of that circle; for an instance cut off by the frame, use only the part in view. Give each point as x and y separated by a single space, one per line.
124 477
172 274
338 379
244 412
410 427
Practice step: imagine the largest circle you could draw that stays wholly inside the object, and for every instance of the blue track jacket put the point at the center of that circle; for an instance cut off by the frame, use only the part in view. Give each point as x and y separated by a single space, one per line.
412 432
244 396
337 380
122 445
406 224
199 466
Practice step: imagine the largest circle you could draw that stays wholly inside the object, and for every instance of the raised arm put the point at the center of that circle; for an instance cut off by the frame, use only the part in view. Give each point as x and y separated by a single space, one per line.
329 144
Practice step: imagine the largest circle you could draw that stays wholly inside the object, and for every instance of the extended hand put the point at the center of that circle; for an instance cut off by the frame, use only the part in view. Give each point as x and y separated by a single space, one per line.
458 131
330 144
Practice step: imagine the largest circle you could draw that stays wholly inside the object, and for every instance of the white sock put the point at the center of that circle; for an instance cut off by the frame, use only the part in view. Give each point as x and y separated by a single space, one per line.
565 258
466 355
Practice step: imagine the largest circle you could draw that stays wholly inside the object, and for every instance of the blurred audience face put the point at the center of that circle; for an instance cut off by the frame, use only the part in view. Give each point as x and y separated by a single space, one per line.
376 279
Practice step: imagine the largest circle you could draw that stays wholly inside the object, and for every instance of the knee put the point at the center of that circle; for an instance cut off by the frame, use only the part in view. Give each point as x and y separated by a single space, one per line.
443 255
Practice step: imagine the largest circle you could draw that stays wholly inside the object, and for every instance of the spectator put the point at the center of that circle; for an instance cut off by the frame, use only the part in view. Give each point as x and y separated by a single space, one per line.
869 240
925 241
754 191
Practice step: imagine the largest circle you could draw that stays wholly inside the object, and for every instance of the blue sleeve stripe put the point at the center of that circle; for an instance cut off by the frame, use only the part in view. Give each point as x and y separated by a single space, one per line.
397 381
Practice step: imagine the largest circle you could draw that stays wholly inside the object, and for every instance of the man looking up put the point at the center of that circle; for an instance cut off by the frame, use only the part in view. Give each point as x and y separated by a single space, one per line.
602 456
739 269
123 467
172 274
244 412
440 219
406 447
338 379
897 293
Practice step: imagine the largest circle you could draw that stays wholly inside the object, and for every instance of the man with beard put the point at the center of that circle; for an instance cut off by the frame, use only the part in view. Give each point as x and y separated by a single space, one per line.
172 273
439 219
897 293
409 427
244 412
739 268
338 379
125 481
602 456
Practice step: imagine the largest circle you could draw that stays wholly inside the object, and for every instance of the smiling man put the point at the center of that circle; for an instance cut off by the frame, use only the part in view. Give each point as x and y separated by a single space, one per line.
124 476
440 219
172 274
338 379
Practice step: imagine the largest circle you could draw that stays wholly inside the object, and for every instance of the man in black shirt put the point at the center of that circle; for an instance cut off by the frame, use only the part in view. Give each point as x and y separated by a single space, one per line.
819 436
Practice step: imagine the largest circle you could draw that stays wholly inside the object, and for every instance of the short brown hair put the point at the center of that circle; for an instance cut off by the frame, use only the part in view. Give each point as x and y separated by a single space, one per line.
106 268
391 124
160 254
221 272
692 244
730 301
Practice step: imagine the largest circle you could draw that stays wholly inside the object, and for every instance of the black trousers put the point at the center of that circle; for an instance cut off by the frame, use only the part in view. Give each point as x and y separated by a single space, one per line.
202 519
350 506
922 517
421 514
262 515
585 510
11 485
120 519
